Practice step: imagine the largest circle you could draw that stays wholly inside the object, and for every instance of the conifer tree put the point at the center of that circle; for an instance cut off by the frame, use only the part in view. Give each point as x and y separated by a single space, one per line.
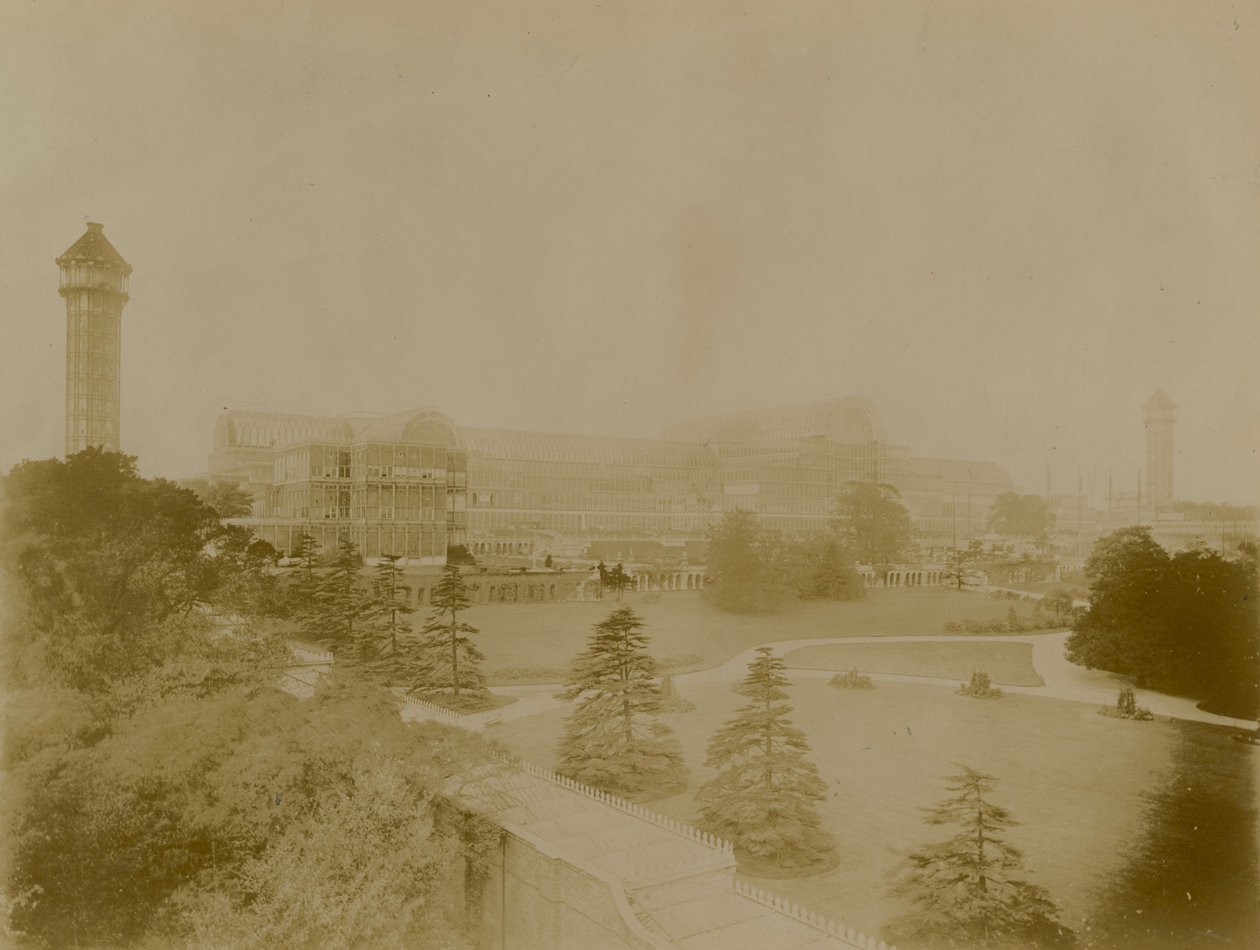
300 594
448 660
611 739
390 611
340 619
966 888
764 796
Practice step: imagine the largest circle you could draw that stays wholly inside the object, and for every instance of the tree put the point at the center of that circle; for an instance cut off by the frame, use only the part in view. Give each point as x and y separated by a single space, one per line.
459 554
611 739
958 570
1127 628
617 579
448 660
747 572
228 499
111 565
343 609
162 791
873 521
966 889
389 613
1021 516
824 570
1058 603
764 796
246 821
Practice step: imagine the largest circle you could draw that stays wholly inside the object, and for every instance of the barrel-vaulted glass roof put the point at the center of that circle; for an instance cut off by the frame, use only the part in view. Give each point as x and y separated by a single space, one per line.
596 449
851 420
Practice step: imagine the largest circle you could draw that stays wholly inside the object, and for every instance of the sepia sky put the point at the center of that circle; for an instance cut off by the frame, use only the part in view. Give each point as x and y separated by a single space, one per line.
1004 223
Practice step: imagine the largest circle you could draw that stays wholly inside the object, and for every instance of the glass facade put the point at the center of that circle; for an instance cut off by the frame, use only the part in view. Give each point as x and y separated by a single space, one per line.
414 483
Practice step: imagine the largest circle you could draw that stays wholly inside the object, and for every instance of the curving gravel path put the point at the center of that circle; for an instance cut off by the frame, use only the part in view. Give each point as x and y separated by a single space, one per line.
1063 680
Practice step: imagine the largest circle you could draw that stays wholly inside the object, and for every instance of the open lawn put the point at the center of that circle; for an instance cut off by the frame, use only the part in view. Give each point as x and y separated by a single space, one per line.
548 636
1145 833
1006 663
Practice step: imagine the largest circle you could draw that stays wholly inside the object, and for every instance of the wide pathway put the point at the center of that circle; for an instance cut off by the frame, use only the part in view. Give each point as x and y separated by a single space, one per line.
1062 680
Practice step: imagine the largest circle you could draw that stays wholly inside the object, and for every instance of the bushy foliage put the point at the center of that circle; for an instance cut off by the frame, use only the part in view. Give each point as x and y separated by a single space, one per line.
1126 707
752 570
873 523
979 687
671 701
1186 622
746 572
612 739
968 890
852 680
162 791
764 795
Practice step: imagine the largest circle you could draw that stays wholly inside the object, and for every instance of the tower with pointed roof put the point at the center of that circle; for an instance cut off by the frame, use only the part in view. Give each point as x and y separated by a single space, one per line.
94 280
1159 414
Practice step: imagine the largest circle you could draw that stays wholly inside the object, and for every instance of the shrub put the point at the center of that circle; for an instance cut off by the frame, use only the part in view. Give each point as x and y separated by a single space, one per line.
679 660
953 626
1126 707
852 680
540 674
979 687
671 702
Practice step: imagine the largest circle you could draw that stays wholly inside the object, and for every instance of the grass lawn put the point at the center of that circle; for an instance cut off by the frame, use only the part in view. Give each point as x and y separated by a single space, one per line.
1116 817
1009 663
550 635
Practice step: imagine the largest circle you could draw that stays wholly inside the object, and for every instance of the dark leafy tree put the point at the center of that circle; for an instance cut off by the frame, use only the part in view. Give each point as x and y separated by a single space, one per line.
764 797
459 554
747 572
618 580
873 521
612 739
968 890
111 566
448 662
1128 628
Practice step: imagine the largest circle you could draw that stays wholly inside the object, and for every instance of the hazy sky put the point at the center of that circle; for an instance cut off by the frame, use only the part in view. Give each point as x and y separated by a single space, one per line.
1004 223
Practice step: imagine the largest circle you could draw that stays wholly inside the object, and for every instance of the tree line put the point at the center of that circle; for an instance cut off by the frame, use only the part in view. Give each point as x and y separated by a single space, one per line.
1184 622
162 790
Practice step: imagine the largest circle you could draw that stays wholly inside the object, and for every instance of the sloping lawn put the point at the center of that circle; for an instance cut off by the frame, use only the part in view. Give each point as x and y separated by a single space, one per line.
1116 816
548 636
1009 663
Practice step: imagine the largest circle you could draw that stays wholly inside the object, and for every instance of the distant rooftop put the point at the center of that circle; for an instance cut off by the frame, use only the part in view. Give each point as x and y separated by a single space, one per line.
94 246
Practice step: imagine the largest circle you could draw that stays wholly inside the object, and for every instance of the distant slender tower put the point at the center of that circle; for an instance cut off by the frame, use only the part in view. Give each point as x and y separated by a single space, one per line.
94 285
1159 414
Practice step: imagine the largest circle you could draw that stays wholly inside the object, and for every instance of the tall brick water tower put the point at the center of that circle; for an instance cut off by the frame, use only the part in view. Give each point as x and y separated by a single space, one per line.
1159 414
94 284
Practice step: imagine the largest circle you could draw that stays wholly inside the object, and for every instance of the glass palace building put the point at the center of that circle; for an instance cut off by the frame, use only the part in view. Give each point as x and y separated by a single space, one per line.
414 483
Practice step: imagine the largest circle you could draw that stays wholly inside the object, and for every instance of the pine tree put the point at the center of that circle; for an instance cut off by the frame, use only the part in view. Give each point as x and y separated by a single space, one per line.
448 660
763 797
390 610
611 739
301 591
340 619
966 888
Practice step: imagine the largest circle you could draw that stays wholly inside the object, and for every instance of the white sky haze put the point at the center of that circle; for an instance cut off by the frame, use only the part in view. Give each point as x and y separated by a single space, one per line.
1004 223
